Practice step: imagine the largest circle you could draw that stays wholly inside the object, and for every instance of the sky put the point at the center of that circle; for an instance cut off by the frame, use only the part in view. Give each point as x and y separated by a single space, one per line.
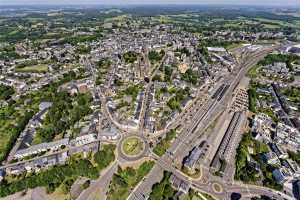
126 2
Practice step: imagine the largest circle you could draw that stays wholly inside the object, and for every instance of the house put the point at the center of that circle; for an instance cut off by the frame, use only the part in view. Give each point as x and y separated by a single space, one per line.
83 140
82 87
62 157
278 151
294 49
270 158
279 176
252 165
73 90
45 105
179 184
110 133
296 122
216 49
2 175
288 135
16 169
179 196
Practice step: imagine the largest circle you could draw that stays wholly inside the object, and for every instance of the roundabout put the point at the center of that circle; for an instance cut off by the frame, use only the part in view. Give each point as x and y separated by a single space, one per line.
132 148
217 188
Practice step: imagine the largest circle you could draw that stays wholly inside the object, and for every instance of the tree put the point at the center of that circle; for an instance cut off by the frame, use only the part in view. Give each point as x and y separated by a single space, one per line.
6 92
105 156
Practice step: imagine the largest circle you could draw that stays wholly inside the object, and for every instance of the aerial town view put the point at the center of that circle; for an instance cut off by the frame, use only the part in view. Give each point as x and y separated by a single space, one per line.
149 100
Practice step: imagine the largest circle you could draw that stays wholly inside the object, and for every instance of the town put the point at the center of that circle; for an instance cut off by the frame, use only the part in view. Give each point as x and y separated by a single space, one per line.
117 103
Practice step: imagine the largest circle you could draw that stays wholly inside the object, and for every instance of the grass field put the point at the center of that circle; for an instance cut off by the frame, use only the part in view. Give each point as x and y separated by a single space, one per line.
34 68
234 45
294 14
277 22
272 26
132 146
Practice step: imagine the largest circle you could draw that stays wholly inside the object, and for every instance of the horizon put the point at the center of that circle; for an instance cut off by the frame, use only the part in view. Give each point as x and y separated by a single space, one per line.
120 6
151 3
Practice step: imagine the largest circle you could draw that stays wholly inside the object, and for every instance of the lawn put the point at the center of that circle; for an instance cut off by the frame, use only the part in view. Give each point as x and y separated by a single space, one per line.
40 68
204 196
200 195
132 146
12 123
234 45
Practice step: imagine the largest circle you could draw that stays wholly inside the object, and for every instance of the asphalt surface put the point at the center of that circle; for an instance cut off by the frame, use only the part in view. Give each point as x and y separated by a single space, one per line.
102 184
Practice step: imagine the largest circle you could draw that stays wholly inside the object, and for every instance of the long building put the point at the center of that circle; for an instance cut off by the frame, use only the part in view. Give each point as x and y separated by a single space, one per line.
223 152
43 147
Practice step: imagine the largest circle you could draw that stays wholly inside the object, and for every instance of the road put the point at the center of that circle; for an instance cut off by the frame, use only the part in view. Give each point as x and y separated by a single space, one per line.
145 104
200 120
101 184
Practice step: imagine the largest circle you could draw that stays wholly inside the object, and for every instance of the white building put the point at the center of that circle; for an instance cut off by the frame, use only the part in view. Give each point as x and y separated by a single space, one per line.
43 147
83 140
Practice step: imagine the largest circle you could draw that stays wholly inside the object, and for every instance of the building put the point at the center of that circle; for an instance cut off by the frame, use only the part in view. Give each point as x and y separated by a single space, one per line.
294 49
179 184
16 169
192 158
110 133
216 49
38 164
278 151
286 134
179 196
39 148
45 105
2 175
83 140
296 189
279 176
270 158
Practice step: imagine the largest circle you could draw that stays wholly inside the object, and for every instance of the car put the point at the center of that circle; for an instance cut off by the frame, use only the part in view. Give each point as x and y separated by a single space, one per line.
235 196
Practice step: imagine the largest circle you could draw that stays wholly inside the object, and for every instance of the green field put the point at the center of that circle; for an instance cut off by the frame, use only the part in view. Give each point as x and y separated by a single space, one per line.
132 146
234 45
40 68
275 23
